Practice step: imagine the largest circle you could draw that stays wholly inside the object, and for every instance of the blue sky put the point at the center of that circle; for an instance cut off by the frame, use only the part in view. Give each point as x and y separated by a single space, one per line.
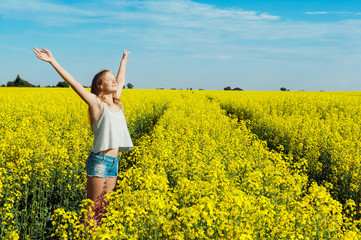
254 45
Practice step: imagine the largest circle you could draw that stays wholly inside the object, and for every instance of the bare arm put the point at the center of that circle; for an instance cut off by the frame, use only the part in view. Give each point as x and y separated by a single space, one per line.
121 73
46 56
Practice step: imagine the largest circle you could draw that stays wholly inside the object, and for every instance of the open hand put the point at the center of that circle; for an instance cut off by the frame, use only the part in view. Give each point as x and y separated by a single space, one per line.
125 55
44 54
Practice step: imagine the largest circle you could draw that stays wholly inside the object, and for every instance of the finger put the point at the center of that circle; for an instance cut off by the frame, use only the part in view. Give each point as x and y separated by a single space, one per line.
39 57
37 50
36 53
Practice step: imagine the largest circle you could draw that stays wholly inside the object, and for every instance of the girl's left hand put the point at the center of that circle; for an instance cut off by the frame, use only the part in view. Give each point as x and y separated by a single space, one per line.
125 55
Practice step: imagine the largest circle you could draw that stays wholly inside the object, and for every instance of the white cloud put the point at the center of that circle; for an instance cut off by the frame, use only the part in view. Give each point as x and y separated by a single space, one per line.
41 7
324 12
175 20
47 13
171 13
316 13
183 24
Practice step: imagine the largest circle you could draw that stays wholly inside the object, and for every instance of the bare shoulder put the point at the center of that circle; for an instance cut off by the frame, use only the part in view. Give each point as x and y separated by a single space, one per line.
97 105
96 110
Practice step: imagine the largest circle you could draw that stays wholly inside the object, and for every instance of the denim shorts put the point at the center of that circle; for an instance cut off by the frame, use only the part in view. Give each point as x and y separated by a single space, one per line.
100 165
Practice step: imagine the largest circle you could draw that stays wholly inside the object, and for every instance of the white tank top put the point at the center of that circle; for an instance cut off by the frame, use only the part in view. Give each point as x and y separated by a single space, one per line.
111 131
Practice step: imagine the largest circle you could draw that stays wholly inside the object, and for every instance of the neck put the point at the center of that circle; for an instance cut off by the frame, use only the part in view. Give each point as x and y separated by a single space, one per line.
109 97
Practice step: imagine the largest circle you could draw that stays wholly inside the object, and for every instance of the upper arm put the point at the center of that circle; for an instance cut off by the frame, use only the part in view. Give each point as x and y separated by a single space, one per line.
88 97
119 89
96 111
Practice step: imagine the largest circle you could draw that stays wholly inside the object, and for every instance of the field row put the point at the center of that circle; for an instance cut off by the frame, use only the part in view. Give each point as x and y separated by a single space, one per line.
320 132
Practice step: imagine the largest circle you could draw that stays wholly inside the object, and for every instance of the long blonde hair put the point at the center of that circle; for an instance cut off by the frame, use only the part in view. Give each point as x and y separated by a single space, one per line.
97 89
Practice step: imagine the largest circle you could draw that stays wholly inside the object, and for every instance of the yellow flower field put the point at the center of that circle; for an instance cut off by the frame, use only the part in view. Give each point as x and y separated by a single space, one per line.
206 165
321 131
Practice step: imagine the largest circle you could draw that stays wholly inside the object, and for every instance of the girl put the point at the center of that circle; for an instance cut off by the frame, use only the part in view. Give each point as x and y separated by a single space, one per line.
111 134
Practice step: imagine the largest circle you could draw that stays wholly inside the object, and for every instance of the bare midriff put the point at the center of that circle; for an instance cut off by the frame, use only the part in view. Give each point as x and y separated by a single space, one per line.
111 152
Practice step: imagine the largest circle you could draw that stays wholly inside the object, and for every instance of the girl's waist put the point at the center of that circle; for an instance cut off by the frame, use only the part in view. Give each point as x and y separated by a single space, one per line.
104 156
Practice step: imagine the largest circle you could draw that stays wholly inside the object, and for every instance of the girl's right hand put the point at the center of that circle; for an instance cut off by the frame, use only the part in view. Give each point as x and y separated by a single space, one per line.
44 55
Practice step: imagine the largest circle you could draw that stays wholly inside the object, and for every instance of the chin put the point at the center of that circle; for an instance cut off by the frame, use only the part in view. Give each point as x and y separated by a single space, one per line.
108 91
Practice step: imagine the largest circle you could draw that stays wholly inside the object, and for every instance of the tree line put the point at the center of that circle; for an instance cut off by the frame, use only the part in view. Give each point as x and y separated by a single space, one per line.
19 82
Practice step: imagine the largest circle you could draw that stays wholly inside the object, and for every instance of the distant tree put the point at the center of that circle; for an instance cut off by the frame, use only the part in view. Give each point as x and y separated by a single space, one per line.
63 84
237 89
201 89
227 88
284 89
190 88
173 89
3 85
130 86
18 82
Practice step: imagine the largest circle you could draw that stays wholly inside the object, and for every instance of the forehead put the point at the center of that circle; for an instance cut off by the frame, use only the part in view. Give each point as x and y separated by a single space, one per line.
109 75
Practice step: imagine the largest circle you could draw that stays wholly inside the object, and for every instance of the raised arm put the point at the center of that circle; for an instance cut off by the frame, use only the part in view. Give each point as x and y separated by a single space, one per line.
121 73
46 56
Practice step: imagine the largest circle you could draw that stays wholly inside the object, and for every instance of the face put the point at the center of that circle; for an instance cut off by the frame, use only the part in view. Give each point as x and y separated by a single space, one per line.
109 83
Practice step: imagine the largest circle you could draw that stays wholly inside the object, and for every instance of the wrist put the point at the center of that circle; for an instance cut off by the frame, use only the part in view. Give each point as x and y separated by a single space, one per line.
52 62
